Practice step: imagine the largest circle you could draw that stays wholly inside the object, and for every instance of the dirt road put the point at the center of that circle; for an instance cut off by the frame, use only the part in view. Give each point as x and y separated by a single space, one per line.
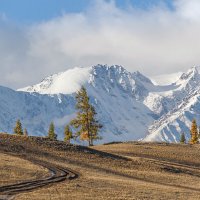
57 174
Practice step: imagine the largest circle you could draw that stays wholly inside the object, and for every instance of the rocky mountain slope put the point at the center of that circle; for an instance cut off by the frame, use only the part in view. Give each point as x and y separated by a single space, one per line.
186 101
169 127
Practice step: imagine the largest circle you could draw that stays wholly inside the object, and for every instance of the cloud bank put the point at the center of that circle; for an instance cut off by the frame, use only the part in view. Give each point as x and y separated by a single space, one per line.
154 41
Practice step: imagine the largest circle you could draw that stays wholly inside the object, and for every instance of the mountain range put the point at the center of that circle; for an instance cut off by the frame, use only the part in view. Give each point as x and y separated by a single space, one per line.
129 105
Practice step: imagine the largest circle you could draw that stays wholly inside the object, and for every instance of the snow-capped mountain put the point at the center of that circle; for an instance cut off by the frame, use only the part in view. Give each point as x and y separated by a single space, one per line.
186 100
129 105
170 126
115 92
165 98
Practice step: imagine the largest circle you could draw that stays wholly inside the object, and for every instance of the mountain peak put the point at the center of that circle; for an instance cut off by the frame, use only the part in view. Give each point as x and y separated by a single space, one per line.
117 68
70 81
193 71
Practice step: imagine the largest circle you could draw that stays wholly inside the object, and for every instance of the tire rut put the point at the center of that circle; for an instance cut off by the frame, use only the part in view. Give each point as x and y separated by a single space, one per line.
171 166
58 174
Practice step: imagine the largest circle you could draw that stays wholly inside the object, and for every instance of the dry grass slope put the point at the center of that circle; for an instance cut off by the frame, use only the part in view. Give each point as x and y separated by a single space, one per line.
14 170
115 171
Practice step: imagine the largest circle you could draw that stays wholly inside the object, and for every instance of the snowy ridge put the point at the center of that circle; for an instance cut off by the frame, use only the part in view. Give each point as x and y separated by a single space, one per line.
65 83
169 126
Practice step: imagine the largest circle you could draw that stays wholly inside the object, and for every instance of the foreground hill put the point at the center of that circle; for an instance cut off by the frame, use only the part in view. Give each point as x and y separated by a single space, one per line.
115 171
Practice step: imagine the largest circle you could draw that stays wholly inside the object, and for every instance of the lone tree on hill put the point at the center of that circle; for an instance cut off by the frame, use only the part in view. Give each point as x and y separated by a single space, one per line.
18 128
25 132
51 134
194 132
68 134
86 124
182 139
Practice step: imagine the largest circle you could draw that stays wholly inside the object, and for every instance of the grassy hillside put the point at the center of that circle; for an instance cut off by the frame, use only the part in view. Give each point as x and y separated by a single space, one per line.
115 171
15 170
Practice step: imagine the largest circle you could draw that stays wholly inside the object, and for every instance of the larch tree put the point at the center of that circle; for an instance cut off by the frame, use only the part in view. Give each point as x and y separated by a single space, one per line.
51 134
182 139
194 132
68 134
85 123
18 128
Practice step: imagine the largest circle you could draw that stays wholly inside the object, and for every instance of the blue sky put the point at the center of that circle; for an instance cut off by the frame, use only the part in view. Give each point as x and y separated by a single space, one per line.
43 37
39 10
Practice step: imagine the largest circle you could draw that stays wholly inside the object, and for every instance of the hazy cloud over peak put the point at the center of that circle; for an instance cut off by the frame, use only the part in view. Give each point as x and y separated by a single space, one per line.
157 38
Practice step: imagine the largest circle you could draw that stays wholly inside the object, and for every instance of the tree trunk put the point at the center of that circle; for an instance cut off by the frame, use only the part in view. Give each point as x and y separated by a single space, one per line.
90 142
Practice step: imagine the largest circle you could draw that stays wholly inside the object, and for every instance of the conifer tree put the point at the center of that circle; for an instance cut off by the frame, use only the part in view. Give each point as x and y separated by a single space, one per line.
25 132
86 124
51 134
194 133
68 134
18 128
182 139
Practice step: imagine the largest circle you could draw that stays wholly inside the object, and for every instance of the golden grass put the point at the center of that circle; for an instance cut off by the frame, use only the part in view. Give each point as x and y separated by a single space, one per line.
106 178
146 175
13 170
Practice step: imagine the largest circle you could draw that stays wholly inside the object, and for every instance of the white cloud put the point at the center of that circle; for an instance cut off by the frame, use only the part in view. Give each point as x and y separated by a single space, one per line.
153 41
188 9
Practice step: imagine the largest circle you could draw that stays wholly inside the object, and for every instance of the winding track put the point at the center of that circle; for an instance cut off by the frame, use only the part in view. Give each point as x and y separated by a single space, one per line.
58 174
